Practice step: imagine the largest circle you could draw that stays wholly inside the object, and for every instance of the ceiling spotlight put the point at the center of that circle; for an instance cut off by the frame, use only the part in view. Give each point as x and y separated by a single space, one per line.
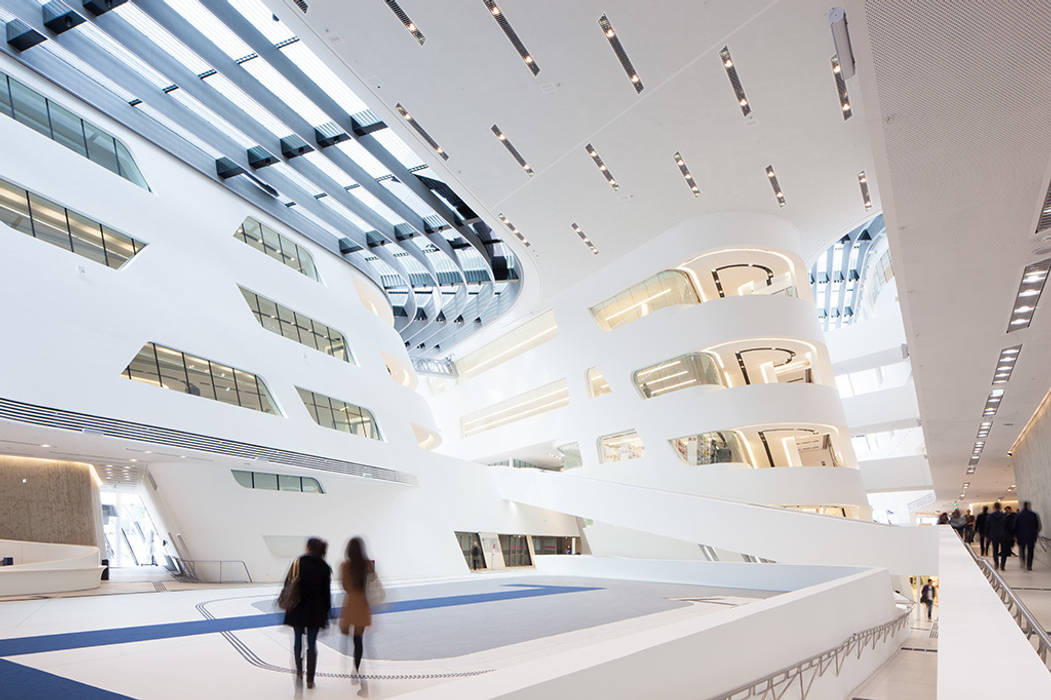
621 54
735 80
45 445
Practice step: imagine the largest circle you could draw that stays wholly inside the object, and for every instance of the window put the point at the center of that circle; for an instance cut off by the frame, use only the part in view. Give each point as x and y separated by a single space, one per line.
667 288
173 369
265 239
555 545
620 447
52 223
339 415
471 546
295 326
597 384
710 448
513 343
680 373
516 550
277 482
534 402
37 112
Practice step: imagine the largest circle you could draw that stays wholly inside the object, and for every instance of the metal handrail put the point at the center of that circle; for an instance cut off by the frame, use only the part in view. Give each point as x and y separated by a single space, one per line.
189 567
778 683
1025 619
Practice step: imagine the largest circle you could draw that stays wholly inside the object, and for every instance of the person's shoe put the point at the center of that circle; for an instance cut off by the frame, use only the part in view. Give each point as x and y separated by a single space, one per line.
311 667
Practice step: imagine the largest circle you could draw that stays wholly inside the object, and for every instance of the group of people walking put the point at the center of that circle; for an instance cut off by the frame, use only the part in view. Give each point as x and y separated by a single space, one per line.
307 600
1000 529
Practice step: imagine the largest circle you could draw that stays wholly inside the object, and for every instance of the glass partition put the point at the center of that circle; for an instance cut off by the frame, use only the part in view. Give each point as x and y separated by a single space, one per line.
516 550
620 447
284 250
339 415
667 288
597 384
679 373
295 326
719 447
279 482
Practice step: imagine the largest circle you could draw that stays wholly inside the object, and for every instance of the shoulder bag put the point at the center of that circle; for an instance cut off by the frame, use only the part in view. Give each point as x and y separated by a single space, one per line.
289 597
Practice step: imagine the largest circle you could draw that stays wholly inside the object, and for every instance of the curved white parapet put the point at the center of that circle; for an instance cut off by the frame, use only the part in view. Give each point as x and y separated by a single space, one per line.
771 533
44 567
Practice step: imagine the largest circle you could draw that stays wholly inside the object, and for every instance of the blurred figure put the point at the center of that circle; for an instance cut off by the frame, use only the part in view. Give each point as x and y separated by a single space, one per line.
996 525
1026 529
981 524
476 557
957 522
927 597
1009 519
355 572
310 613
968 529
943 519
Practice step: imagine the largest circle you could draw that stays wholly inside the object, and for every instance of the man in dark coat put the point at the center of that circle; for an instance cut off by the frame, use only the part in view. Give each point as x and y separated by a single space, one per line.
980 525
311 611
996 526
1027 527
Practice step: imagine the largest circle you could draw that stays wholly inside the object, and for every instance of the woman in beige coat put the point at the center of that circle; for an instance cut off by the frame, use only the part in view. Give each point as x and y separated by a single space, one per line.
354 575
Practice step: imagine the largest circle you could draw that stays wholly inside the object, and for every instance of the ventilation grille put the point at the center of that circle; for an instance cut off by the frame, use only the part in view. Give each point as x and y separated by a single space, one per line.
302 5
112 427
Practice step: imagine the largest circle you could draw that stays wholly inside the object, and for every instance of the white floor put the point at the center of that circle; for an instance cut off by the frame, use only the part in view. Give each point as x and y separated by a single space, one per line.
912 673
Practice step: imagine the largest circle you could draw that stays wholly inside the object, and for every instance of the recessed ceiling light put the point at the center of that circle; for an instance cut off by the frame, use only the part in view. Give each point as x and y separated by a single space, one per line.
735 80
583 237
421 131
622 55
602 166
679 161
512 150
778 194
841 88
45 445
512 36
409 24
863 183
513 229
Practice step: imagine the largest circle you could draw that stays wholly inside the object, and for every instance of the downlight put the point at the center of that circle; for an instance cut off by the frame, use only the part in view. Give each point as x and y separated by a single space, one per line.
583 237
735 81
863 183
602 167
512 36
686 175
1029 291
778 194
1005 364
409 24
512 150
841 88
514 229
421 131
618 49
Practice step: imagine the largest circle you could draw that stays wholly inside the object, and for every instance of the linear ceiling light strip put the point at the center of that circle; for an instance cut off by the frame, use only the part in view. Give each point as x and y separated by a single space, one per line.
841 88
583 236
509 31
778 194
1005 364
618 49
602 167
1044 221
735 81
421 131
863 183
512 150
513 229
1029 291
409 24
686 175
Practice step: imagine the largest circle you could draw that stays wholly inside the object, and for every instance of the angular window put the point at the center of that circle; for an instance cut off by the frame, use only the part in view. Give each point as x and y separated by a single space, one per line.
597 384
620 447
284 250
679 373
295 326
52 223
339 415
58 123
667 288
710 448
516 550
531 403
512 344
179 371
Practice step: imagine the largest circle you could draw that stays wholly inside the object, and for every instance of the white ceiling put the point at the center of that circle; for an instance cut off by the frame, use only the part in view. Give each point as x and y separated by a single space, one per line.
467 77
960 118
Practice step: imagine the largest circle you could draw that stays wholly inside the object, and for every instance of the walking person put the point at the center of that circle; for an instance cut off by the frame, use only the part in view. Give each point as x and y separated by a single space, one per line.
1027 528
308 598
356 574
996 525
927 594
981 524
968 529
1009 520
957 522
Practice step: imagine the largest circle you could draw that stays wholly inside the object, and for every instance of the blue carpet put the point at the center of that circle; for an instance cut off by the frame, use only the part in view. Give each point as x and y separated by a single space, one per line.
18 681
123 635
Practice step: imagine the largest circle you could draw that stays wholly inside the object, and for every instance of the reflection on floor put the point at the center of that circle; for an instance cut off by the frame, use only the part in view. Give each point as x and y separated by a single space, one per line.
225 642
912 672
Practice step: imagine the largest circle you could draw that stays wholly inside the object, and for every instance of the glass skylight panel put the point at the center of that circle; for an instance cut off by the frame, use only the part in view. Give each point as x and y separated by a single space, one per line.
285 91
329 168
122 55
370 200
296 178
178 129
160 36
209 25
398 148
315 69
402 192
263 19
211 117
89 70
346 213
233 93
363 158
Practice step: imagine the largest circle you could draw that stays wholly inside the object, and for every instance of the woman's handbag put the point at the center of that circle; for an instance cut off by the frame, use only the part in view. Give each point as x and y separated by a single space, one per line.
289 597
374 592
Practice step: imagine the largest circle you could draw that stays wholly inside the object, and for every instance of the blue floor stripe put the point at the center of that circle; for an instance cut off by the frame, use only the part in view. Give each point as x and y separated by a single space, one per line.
18 681
123 635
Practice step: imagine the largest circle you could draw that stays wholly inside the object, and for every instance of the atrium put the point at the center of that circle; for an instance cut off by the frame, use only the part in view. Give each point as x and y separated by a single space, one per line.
525 350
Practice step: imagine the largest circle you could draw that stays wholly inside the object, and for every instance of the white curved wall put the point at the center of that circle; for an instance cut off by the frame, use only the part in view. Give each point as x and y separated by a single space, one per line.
44 567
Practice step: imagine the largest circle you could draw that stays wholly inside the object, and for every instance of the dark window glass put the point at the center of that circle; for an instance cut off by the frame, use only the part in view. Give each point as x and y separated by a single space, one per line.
128 169
30 108
173 371
225 388
67 128
49 222
286 482
14 208
101 147
200 375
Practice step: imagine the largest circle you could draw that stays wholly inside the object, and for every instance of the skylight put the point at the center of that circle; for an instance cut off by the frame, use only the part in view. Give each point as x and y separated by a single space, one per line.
209 25
264 20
